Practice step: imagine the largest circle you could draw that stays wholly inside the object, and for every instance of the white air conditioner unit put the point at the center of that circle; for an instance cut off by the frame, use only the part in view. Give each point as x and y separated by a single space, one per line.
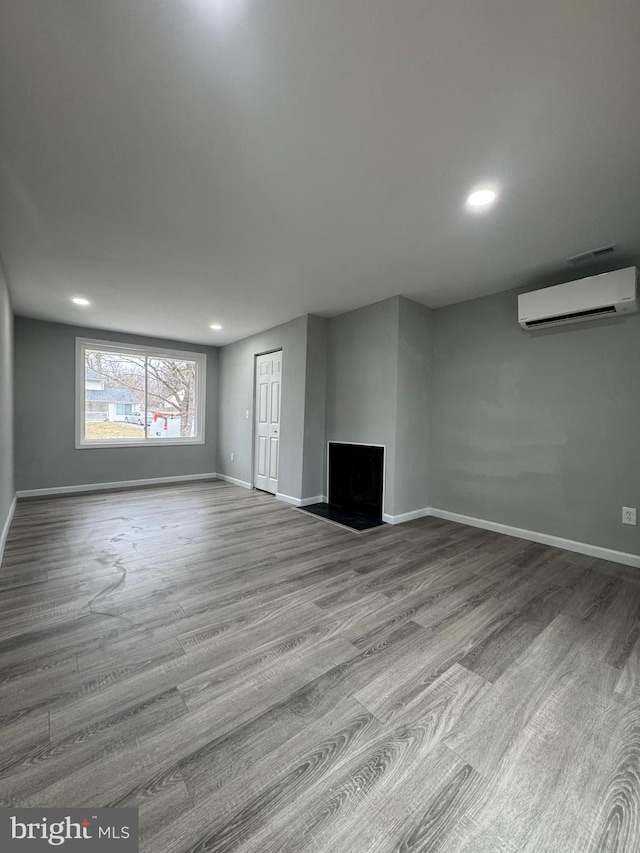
590 298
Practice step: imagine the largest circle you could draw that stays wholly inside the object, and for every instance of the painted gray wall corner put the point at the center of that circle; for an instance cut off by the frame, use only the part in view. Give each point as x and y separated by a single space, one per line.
415 368
314 461
362 370
46 455
236 377
538 430
7 454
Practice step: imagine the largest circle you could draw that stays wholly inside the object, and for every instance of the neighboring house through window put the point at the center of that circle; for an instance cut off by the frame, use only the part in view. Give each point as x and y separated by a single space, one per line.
104 403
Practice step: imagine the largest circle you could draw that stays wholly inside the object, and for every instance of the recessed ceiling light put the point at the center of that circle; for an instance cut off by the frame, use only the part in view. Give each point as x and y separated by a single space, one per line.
80 300
215 326
482 197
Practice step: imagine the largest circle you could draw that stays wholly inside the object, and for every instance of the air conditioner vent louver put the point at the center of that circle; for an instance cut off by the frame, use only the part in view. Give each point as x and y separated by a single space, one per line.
593 253
575 315
609 294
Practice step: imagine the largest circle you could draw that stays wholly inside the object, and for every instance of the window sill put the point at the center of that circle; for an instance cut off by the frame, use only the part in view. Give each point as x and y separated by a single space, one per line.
160 442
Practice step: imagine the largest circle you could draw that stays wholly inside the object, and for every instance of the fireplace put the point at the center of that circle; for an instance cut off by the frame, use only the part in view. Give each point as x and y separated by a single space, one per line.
356 476
355 485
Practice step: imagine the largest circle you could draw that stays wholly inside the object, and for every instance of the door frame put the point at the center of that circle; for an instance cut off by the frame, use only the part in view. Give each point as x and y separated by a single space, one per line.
256 356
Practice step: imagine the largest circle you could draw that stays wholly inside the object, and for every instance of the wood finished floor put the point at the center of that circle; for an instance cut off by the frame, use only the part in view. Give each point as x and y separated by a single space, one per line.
254 679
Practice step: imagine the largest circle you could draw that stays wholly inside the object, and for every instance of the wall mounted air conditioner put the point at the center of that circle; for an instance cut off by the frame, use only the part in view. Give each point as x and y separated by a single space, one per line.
608 294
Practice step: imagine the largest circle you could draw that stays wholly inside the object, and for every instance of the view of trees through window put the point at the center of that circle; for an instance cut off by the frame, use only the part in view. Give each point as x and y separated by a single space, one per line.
134 396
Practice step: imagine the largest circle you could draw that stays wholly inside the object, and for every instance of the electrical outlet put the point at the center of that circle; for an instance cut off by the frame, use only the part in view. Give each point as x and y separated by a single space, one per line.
232 457
246 414
629 515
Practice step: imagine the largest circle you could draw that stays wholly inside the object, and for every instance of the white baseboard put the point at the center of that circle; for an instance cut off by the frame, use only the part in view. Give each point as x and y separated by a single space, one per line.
299 501
234 481
288 499
7 525
119 484
319 499
406 516
543 538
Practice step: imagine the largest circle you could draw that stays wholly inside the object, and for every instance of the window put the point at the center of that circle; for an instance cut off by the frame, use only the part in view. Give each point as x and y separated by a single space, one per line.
133 395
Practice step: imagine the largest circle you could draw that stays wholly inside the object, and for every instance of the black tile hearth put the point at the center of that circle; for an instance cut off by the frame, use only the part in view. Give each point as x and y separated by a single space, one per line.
341 516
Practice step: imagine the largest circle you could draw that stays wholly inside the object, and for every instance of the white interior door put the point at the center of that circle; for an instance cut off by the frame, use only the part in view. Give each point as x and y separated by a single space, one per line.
267 409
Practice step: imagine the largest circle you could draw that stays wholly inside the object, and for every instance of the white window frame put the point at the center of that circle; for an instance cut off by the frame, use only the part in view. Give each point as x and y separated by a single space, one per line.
83 344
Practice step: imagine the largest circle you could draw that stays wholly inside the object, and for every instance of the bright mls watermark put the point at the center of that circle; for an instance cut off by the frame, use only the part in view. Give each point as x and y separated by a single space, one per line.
102 830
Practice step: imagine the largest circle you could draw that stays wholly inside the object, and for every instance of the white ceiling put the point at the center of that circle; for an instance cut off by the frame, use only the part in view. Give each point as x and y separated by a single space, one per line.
180 162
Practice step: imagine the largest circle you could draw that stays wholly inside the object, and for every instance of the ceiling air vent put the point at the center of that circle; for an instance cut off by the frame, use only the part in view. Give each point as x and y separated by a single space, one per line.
594 253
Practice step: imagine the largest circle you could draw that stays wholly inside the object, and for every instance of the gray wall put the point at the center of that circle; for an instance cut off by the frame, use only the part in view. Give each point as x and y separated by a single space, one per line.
7 489
46 456
379 373
415 369
539 430
235 431
314 460
362 371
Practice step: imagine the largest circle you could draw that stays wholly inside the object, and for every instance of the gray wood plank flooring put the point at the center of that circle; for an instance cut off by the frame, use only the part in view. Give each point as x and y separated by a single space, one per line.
254 679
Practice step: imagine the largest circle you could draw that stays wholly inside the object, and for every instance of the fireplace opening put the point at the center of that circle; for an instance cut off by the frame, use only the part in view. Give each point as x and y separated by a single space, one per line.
355 486
355 478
